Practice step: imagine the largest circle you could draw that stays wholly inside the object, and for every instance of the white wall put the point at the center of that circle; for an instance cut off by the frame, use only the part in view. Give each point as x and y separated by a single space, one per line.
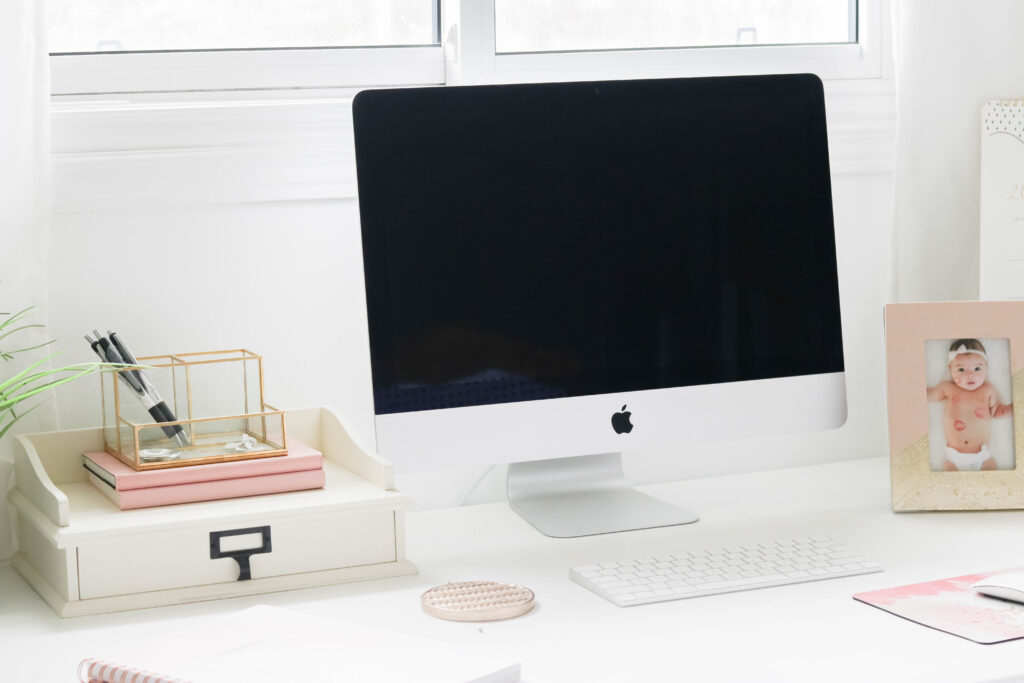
253 240
283 279
953 57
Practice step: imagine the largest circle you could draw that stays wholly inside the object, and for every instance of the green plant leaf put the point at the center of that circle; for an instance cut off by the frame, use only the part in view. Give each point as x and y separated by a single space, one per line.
19 329
16 317
34 379
15 418
8 355
15 378
10 398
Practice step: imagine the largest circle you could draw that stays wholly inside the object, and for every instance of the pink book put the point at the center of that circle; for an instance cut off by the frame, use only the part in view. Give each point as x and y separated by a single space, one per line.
121 477
217 489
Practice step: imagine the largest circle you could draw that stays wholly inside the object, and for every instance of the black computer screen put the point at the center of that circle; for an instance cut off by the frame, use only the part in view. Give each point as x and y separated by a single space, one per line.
528 242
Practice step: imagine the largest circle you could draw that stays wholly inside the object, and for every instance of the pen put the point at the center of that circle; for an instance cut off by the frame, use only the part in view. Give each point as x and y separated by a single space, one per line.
100 347
180 435
139 385
141 378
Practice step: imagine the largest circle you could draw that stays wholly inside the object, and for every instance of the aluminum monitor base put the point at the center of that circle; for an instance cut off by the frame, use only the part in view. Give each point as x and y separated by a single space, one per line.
585 496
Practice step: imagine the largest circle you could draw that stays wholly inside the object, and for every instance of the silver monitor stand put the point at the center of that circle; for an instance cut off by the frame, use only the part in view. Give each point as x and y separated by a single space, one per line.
584 496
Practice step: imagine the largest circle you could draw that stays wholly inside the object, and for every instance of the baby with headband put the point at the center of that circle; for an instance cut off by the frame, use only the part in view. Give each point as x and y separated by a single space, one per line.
971 405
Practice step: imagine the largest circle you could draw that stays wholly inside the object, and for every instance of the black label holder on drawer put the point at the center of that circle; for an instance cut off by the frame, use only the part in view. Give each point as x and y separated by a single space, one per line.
240 556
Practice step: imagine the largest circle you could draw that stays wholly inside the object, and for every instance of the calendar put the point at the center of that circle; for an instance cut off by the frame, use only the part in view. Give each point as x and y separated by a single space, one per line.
1002 200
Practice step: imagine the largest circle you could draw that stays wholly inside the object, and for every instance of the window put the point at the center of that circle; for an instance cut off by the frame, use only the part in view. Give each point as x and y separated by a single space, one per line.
84 26
160 46
573 25
533 40
249 100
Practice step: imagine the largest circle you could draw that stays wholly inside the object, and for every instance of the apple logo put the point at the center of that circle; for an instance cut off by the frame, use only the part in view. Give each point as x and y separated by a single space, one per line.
621 423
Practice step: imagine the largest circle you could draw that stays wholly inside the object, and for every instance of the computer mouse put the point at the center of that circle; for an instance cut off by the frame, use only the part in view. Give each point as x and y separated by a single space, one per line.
1008 586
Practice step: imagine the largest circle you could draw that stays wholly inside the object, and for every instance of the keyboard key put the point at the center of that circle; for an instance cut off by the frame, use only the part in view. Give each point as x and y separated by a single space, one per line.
842 555
736 583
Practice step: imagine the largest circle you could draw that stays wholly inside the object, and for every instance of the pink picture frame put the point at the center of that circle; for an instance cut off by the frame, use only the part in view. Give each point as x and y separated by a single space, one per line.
956 443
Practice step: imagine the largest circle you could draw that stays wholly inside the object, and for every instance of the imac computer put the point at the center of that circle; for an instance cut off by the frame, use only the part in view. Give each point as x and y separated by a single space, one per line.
556 273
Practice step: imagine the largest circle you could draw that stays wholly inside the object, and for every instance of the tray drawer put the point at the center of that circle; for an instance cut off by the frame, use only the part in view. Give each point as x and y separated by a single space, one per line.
180 558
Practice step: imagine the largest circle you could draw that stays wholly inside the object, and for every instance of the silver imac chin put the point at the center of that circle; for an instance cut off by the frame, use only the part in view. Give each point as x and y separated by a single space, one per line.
565 474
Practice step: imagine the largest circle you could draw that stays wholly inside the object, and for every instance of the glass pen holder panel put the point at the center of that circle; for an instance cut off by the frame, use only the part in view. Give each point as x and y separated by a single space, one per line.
190 409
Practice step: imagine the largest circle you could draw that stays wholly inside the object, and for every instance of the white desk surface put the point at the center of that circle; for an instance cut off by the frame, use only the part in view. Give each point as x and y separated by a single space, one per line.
812 631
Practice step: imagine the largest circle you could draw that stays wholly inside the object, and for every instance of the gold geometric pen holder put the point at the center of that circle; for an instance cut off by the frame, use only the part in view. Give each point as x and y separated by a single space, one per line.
216 400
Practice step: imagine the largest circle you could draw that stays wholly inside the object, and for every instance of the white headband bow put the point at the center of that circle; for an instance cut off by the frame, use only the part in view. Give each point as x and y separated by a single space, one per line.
964 349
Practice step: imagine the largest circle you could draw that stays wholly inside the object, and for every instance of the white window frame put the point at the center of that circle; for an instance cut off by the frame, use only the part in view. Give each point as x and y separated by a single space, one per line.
469 30
233 70
467 56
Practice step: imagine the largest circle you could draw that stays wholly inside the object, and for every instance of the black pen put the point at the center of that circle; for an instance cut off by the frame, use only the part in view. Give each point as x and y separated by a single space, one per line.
99 348
143 381
139 385
180 435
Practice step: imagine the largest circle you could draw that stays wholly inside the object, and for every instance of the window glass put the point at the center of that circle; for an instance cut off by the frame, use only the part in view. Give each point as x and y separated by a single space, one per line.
563 25
139 25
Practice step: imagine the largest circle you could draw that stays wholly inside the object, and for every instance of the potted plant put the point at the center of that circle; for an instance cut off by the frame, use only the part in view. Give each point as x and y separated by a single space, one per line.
33 380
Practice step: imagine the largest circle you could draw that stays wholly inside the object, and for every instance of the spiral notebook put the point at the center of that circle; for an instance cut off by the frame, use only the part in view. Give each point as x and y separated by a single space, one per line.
271 644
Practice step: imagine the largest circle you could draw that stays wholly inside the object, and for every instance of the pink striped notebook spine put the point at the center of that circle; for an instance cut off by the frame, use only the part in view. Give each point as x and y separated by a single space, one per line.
240 487
299 457
92 670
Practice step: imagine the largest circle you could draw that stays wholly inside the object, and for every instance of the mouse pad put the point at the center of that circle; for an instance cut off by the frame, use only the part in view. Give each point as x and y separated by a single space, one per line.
951 605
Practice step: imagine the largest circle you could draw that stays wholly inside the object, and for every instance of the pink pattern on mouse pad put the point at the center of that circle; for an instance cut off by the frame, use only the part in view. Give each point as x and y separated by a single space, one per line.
951 605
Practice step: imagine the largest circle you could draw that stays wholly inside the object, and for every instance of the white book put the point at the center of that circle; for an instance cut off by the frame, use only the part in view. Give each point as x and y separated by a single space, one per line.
271 644
1002 200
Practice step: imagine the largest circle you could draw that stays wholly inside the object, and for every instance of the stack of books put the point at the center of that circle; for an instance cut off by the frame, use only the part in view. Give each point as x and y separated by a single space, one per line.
300 469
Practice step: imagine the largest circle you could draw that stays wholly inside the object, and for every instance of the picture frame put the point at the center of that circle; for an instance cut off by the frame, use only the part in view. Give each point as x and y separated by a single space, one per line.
951 447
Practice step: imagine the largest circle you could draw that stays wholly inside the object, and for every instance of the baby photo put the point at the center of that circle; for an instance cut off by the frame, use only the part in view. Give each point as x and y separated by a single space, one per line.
970 426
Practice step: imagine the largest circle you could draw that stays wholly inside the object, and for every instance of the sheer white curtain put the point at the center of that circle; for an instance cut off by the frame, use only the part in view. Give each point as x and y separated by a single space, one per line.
951 57
24 198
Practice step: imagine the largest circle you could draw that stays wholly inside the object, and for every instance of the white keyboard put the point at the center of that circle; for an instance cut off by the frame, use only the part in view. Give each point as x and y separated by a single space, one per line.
690 574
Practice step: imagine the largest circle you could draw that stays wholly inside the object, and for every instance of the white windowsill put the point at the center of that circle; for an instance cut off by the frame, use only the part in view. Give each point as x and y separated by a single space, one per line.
115 154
